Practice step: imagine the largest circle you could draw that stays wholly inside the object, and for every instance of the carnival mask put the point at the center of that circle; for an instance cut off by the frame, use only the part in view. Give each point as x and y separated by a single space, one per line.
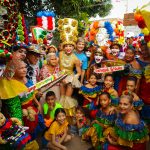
88 53
115 52
98 59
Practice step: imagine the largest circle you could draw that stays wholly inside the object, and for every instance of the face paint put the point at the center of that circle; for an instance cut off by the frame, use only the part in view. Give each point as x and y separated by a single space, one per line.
88 53
98 59
115 52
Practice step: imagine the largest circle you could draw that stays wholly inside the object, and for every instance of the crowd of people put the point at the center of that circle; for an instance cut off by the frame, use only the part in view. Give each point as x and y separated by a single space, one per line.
108 108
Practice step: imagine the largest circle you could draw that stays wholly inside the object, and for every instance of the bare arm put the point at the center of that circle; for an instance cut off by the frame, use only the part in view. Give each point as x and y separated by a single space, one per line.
78 67
82 76
37 104
57 144
64 135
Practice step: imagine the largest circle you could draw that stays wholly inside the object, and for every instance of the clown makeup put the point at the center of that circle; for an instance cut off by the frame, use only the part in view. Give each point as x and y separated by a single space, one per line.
88 53
115 52
98 57
68 48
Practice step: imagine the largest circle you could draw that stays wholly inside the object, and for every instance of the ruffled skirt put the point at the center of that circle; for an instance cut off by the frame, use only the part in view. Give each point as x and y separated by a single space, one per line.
73 80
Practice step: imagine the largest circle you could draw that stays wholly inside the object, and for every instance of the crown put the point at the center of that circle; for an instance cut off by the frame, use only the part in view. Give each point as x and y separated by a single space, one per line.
68 30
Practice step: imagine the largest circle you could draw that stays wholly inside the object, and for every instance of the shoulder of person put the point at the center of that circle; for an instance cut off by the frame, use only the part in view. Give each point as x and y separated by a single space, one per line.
132 118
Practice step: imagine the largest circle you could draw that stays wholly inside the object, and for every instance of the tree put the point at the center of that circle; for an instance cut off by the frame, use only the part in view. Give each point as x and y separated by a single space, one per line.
81 10
66 8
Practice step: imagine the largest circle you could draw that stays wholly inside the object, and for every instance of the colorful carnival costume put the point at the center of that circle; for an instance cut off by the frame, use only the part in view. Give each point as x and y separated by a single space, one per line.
10 90
15 135
67 65
130 71
31 116
138 104
92 94
96 132
128 136
113 95
145 94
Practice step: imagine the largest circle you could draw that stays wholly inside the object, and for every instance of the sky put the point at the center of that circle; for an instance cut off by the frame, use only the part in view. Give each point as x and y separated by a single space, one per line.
122 6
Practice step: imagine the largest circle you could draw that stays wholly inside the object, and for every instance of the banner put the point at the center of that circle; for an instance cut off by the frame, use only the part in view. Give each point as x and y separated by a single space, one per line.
109 69
49 82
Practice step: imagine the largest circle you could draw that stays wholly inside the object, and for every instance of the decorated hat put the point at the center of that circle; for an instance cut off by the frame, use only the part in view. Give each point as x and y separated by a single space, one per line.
35 48
142 16
68 31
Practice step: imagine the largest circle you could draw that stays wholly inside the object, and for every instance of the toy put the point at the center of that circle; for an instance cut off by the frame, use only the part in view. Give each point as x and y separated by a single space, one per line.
12 133
30 113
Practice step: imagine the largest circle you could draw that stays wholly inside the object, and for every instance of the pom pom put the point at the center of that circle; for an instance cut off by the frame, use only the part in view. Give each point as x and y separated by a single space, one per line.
138 17
96 24
148 44
141 24
147 38
145 31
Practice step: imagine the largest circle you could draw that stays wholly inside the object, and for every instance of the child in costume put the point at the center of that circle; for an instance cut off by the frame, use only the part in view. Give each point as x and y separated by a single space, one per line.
90 93
13 133
108 87
81 121
57 133
129 131
130 88
50 107
105 117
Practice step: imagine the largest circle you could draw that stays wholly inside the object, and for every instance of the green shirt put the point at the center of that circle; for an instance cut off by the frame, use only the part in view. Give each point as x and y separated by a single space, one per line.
52 112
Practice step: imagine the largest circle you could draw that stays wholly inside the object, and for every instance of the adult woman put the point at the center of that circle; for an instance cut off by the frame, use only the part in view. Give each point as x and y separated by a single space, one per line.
52 67
68 61
19 51
80 45
134 69
30 105
98 56
11 89
144 93
129 131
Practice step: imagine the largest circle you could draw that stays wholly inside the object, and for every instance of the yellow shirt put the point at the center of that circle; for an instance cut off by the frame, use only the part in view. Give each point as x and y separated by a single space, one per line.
56 129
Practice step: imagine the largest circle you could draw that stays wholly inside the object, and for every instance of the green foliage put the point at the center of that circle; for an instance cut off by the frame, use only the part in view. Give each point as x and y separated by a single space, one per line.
81 10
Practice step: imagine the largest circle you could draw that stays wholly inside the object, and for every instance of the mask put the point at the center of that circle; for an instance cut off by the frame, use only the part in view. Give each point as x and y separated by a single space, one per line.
115 52
88 53
98 59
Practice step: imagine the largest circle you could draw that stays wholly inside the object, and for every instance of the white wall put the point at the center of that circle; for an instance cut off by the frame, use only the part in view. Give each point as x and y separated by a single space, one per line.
135 29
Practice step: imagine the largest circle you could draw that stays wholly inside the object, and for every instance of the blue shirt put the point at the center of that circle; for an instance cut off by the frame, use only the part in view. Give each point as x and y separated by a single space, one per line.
83 59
